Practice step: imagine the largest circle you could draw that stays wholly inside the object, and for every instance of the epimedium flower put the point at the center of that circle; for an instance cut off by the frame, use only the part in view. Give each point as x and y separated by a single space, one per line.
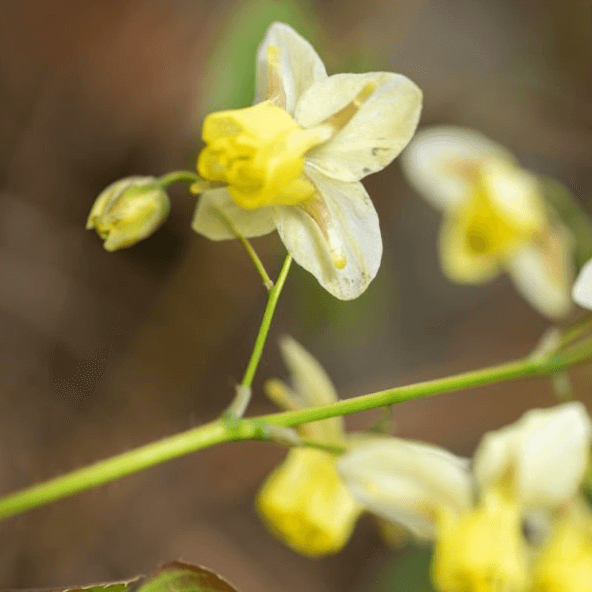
304 502
477 518
294 160
495 218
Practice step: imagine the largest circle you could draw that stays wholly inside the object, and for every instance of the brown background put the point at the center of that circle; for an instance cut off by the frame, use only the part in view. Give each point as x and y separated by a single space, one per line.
101 352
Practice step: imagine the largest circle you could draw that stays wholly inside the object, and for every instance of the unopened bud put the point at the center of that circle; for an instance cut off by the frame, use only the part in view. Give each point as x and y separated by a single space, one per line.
128 211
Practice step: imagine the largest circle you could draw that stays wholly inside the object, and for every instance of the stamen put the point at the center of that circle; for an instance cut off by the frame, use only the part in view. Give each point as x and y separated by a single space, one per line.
339 120
275 89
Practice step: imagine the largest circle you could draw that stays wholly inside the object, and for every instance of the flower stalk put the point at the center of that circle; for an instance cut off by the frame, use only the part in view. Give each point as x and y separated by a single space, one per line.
217 432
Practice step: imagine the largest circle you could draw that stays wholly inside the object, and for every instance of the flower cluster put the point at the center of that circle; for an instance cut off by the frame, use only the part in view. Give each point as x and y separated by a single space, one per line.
515 522
513 519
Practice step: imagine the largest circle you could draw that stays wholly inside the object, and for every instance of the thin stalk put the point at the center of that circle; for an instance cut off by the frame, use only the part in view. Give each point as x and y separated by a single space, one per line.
177 177
243 391
220 431
249 249
272 301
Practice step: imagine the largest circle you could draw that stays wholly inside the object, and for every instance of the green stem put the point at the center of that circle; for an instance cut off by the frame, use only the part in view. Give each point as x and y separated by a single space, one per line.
217 432
178 176
249 249
575 332
243 392
272 301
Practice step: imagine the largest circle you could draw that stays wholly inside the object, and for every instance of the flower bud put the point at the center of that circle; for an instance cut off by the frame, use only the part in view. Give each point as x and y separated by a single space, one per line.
128 211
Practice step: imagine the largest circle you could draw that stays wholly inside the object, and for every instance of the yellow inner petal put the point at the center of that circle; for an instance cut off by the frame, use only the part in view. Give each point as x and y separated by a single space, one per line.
306 505
480 236
259 152
483 550
565 564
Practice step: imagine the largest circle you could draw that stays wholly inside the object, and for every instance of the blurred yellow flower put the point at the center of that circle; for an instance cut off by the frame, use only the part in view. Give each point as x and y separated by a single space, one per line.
304 501
495 218
565 563
535 465
294 161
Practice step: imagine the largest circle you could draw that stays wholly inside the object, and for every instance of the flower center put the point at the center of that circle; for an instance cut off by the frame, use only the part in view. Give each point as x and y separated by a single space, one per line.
259 152
489 232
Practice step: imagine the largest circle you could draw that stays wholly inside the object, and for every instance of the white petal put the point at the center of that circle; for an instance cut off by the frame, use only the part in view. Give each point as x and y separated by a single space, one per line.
543 273
311 384
216 202
546 451
299 65
407 482
352 233
582 290
375 135
440 162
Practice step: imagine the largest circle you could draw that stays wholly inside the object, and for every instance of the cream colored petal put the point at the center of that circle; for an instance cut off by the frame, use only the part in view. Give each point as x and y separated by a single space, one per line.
378 131
441 162
345 256
542 272
216 204
582 290
546 452
311 385
299 66
407 482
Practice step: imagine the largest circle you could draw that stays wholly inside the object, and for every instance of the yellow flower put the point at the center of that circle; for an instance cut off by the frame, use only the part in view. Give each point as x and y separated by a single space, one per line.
294 161
304 502
482 550
565 563
128 211
495 218
536 464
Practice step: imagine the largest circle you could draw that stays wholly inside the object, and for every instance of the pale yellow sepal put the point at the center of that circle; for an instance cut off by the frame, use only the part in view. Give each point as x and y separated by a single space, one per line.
306 505
582 290
546 451
312 387
407 482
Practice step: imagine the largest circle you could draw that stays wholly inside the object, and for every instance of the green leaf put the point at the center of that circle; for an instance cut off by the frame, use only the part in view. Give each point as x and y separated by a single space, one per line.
171 577
182 577
119 586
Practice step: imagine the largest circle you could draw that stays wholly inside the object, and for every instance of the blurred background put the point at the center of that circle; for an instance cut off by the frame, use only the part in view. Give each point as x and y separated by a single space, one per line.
100 353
